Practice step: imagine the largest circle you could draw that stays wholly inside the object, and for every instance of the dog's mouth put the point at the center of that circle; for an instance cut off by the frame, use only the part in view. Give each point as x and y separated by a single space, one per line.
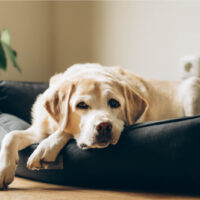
100 145
103 144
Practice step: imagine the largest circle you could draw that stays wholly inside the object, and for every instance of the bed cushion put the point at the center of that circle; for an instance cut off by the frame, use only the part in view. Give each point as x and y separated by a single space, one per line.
9 123
154 156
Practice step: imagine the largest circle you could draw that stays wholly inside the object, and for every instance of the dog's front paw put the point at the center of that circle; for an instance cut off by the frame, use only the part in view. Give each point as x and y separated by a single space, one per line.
7 170
41 158
34 163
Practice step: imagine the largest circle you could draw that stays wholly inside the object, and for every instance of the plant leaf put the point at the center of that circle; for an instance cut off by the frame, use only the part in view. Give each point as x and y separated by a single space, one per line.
5 36
14 52
12 55
3 62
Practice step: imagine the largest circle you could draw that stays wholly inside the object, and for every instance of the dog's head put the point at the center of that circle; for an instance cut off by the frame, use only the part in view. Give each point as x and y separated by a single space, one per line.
94 106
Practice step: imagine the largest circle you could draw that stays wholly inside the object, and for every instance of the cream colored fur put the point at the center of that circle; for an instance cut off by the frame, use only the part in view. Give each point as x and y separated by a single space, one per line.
57 116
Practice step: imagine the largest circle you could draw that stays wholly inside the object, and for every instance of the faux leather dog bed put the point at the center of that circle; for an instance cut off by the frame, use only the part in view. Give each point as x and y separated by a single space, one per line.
160 155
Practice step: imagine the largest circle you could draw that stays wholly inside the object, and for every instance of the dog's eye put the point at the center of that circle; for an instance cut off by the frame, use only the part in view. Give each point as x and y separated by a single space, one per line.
82 105
113 103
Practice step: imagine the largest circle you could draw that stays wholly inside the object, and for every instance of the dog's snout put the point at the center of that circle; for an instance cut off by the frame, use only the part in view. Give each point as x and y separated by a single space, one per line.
104 130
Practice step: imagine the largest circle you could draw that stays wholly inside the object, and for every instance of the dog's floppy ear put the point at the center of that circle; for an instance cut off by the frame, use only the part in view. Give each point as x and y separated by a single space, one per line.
57 102
135 105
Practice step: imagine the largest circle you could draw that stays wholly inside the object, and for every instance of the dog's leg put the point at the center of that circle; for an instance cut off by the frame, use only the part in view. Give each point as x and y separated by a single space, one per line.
48 150
11 144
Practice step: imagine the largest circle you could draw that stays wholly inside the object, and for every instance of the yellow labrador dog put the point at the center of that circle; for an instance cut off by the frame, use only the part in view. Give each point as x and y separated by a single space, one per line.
92 104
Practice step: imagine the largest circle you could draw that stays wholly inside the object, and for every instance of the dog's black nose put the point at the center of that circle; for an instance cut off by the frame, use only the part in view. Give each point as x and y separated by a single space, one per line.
83 146
104 130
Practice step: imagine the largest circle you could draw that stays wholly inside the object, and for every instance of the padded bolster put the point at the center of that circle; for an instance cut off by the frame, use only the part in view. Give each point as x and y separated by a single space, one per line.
155 156
9 123
17 98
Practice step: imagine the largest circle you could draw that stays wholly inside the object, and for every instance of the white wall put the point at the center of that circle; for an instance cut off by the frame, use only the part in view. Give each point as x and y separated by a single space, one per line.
73 24
147 37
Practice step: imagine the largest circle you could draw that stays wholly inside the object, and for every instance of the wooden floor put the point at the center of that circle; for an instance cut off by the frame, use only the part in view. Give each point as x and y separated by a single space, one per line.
23 189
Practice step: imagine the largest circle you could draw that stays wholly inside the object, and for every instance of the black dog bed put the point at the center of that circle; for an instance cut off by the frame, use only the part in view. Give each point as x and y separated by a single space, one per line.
160 155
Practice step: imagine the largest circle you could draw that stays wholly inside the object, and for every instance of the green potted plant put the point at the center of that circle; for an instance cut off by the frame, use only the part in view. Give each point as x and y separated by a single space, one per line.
6 51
